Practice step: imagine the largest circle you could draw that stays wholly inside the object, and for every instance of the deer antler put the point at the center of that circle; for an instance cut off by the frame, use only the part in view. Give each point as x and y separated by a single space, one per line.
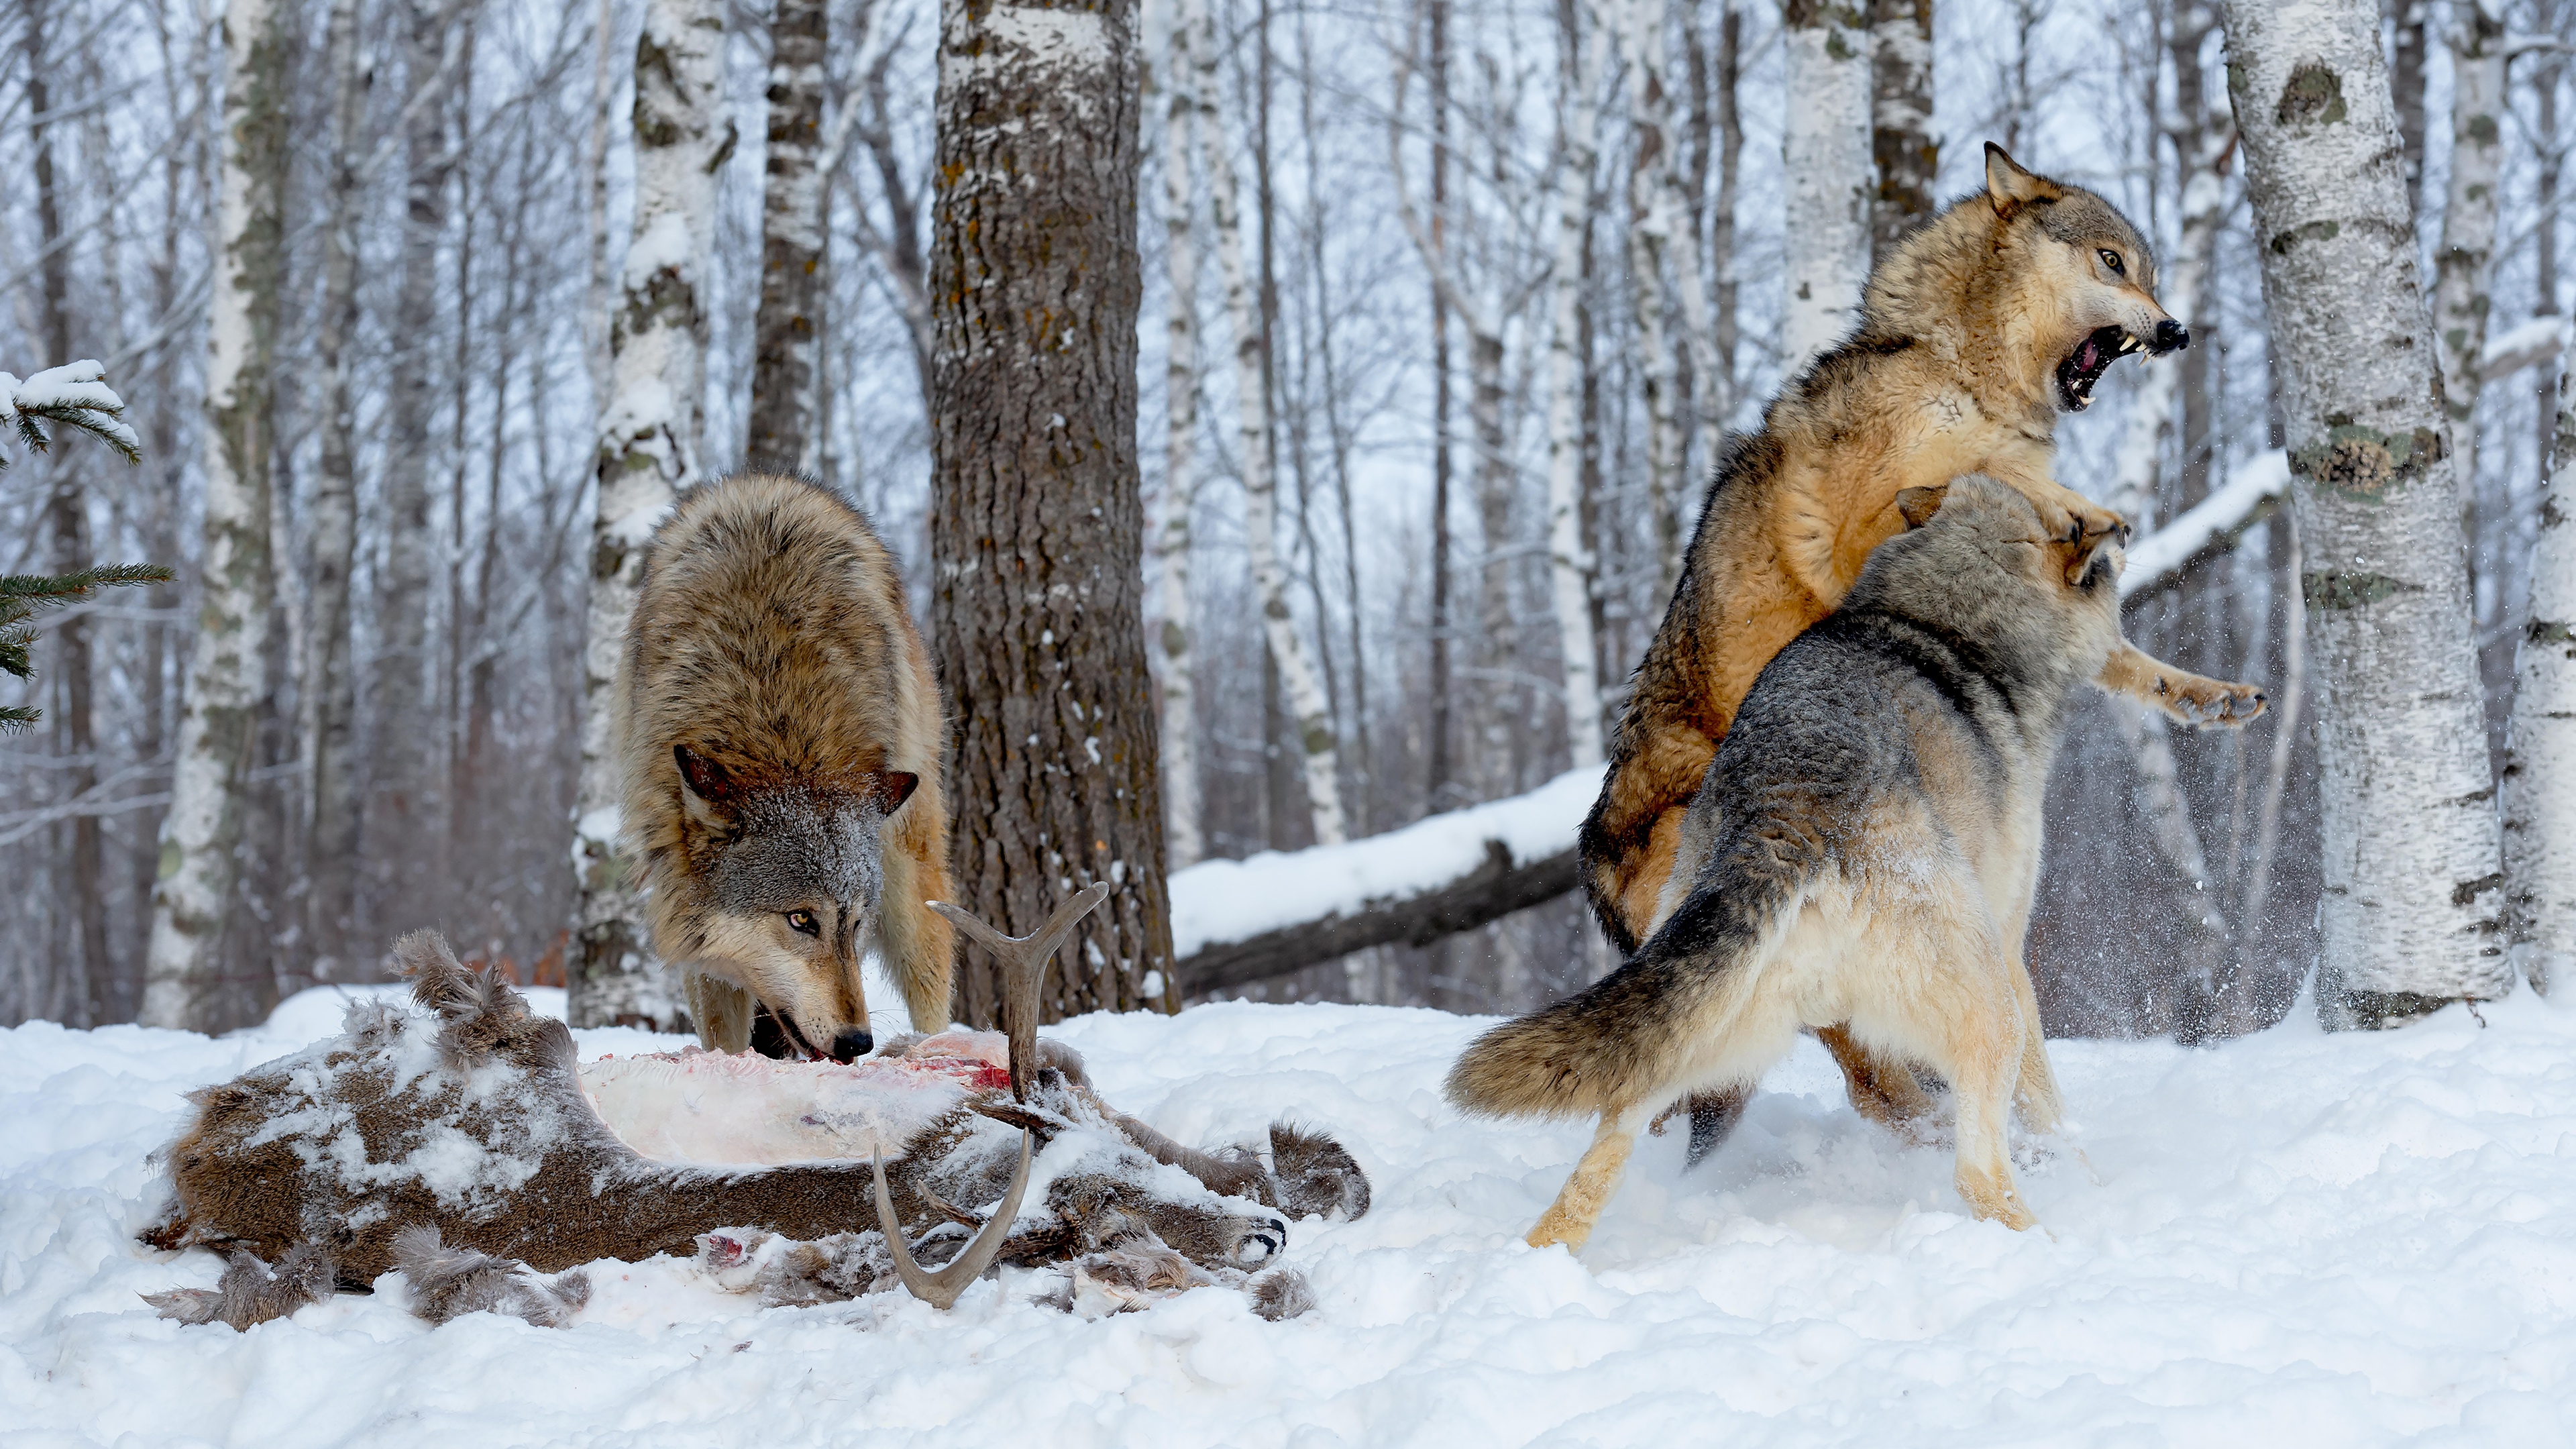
940 1289
1024 963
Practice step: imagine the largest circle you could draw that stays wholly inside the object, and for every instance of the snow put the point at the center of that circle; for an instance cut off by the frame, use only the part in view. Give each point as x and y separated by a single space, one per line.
2265 475
2535 341
1234 900
2295 1238
75 393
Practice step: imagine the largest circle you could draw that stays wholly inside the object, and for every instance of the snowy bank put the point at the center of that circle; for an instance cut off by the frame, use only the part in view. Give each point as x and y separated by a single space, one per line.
2296 1239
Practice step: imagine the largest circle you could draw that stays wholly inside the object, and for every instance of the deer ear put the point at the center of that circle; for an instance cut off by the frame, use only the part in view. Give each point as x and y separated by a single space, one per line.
893 787
2008 185
1917 505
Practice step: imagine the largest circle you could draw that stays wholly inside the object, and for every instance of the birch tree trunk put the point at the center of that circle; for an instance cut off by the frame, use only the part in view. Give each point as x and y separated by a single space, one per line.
1901 143
1655 213
1825 151
1182 844
329 685
784 371
220 696
650 433
2465 260
1307 707
1569 556
2540 752
1037 527
2409 915
401 803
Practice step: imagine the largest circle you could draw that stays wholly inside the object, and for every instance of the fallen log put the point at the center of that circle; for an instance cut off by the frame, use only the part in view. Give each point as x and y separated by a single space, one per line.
1235 922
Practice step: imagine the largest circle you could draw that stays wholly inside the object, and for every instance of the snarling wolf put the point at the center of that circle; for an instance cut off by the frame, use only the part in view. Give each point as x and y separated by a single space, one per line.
466 1146
1864 848
1976 332
780 731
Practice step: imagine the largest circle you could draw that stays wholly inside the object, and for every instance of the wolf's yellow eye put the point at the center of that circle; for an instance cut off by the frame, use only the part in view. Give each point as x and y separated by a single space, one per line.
804 921
2111 259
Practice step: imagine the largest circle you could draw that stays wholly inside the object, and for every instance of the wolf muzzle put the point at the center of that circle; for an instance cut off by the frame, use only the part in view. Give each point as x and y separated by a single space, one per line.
2170 336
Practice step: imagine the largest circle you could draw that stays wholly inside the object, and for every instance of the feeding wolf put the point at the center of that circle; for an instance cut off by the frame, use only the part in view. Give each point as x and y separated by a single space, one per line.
1863 850
780 731
1976 332
469 1148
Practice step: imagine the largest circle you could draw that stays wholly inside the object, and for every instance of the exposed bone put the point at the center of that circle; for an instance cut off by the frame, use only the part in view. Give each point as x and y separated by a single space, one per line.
1024 963
940 1289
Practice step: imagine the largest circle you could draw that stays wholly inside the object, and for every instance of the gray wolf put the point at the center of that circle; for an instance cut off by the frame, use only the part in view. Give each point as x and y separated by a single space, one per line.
1976 332
781 733
1866 842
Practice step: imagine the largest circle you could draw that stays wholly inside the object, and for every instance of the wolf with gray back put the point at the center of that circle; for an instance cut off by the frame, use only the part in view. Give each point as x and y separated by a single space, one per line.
781 733
1866 842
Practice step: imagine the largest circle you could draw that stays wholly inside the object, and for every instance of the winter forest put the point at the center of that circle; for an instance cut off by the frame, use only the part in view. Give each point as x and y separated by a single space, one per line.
421 310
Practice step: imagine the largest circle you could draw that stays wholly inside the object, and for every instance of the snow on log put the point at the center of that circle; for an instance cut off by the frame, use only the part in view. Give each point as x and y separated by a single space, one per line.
2529 345
2209 526
1239 921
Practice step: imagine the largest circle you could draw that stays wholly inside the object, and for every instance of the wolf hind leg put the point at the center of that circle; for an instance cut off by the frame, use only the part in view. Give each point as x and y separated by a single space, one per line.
1571 1218
1985 1041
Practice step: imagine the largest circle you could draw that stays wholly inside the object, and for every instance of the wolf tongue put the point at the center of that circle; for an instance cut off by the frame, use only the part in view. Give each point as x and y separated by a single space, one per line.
2090 356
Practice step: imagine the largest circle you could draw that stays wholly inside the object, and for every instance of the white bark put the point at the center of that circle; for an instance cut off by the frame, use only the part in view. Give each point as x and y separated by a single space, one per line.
1297 678
2540 752
1825 154
1569 560
221 693
1182 843
2464 262
2411 852
649 436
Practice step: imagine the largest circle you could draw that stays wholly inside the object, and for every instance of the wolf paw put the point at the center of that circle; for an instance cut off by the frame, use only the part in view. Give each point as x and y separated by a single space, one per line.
2081 521
2206 703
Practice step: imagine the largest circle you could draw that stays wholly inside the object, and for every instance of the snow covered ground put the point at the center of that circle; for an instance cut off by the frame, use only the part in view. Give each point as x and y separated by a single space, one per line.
2295 1240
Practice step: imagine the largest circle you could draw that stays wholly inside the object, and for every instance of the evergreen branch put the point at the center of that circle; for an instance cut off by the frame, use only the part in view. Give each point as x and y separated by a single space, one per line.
21 595
75 395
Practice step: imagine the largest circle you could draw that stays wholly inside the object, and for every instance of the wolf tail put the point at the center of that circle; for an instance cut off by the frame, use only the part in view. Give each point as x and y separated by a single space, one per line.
1622 1041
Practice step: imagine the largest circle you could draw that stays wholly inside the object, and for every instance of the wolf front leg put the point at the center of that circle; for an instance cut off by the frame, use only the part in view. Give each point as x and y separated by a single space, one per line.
2187 698
1570 1219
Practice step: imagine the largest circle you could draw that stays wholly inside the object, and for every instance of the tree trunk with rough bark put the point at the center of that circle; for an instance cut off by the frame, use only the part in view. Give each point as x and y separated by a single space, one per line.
402 803
220 697
651 428
1181 839
784 361
1036 524
2540 751
67 519
1308 712
2464 262
329 687
1901 144
2412 859
1825 150
1569 552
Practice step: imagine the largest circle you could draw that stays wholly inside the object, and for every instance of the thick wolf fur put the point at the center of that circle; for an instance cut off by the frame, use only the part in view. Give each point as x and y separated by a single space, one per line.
1866 842
1956 367
781 733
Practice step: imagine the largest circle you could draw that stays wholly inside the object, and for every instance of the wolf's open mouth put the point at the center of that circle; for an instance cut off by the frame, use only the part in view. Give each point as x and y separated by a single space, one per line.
2084 366
774 1035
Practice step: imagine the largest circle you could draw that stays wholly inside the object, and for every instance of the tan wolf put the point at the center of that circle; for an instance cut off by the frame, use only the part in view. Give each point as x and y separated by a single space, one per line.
1866 841
1976 332
781 734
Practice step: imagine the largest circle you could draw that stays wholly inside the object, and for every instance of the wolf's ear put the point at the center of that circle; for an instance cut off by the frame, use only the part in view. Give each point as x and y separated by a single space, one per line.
708 796
2008 185
892 788
1917 505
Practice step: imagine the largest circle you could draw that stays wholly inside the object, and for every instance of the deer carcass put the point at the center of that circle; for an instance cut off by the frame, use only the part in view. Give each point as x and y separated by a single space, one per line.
464 1142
